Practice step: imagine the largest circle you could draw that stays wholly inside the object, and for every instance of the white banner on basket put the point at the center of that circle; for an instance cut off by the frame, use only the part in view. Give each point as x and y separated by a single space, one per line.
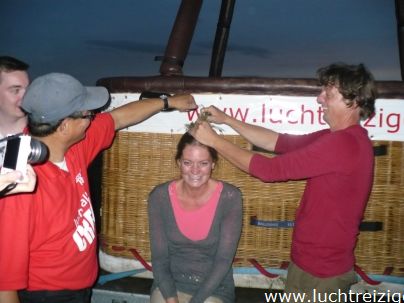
286 114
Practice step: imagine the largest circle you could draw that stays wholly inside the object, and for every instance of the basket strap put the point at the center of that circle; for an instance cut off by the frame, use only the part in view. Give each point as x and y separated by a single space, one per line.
357 269
140 259
102 279
271 224
285 265
364 276
380 150
118 248
388 271
261 269
371 226
364 226
136 254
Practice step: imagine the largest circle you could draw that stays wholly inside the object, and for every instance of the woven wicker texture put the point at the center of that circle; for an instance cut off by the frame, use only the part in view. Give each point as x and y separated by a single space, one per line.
139 161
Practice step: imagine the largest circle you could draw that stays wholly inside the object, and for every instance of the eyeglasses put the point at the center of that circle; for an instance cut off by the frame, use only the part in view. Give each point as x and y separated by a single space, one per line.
89 116
79 115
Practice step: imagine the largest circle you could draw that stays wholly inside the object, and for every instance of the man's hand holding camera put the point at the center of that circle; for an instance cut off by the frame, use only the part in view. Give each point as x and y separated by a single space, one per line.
16 173
12 180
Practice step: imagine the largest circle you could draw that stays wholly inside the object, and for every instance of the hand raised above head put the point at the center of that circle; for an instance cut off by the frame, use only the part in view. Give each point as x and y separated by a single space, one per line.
182 102
214 114
203 132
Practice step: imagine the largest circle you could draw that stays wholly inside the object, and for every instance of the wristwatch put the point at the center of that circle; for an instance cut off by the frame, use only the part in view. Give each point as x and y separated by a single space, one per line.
166 107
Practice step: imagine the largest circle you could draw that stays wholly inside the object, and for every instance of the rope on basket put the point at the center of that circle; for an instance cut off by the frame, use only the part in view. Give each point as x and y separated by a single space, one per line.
119 275
140 259
358 270
105 278
136 254
365 277
263 271
364 226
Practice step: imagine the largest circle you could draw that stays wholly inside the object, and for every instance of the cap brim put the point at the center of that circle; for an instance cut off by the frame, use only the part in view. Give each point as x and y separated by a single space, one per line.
97 97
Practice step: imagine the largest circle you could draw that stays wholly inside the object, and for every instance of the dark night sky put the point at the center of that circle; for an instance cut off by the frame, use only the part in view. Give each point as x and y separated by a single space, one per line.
91 39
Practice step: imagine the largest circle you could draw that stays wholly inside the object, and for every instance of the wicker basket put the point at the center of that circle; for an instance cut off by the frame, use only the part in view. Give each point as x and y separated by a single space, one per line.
138 161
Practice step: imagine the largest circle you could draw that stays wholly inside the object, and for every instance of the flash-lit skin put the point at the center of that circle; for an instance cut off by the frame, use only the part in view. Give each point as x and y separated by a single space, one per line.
12 89
195 185
70 131
335 111
14 176
80 127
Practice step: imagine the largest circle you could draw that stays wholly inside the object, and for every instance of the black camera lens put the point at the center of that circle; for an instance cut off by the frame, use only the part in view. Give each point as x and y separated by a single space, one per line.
39 152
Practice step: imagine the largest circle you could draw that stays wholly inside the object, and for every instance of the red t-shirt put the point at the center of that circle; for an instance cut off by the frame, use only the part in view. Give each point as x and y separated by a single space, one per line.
48 238
338 167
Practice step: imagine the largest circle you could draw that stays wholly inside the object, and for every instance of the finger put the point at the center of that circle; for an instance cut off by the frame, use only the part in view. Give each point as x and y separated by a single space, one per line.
205 124
12 176
192 131
31 174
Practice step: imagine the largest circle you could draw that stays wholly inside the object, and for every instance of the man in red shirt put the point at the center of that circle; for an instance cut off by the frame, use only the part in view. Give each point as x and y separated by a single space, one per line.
13 83
338 166
48 238
14 80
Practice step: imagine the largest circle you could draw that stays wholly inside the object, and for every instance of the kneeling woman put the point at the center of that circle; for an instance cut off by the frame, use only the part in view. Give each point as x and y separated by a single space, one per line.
195 225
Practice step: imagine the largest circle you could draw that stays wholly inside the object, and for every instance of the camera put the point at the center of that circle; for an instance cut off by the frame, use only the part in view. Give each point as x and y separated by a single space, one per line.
20 150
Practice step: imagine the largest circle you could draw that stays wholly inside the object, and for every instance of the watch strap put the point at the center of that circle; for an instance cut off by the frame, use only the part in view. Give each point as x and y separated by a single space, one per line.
166 106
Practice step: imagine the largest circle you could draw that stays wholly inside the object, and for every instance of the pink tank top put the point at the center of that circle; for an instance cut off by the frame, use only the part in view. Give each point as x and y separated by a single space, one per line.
195 224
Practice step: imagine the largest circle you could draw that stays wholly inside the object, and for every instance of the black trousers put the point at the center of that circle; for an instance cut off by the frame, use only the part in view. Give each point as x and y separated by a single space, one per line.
57 296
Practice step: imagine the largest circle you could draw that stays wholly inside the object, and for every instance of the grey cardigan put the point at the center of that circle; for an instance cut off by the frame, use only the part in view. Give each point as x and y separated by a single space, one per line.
200 268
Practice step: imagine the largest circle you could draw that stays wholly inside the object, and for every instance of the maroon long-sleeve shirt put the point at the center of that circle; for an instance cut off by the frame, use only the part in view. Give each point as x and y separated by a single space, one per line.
338 167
